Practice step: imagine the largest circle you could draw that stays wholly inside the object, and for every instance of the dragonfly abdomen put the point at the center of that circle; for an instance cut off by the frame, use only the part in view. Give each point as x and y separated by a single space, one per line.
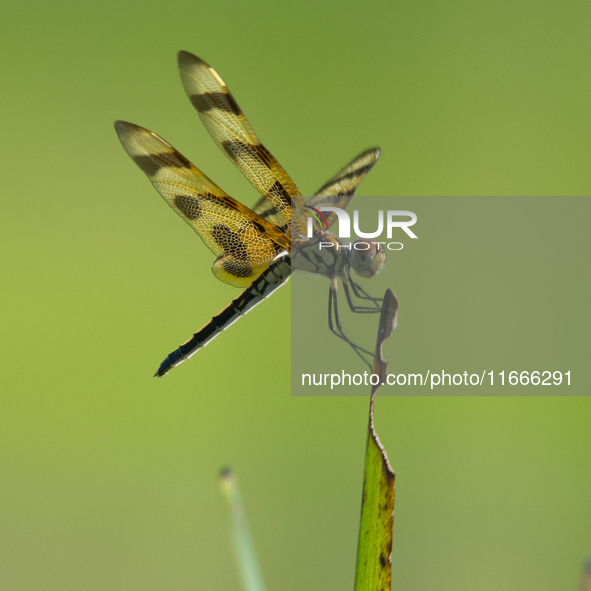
274 277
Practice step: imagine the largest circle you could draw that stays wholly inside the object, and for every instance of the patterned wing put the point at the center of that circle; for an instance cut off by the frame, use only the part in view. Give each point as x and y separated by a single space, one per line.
339 190
268 212
244 243
230 130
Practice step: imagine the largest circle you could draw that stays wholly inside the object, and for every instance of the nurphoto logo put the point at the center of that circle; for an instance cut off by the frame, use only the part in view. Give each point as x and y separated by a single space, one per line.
393 220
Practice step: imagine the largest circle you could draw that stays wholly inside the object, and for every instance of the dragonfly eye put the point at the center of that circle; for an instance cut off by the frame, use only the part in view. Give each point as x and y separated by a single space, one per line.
367 257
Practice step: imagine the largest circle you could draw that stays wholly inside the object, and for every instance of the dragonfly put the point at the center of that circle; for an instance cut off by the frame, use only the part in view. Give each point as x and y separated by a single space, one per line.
256 249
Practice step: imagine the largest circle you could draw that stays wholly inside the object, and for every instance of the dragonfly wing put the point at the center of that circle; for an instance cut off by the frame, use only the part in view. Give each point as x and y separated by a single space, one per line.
230 130
245 244
339 190
268 212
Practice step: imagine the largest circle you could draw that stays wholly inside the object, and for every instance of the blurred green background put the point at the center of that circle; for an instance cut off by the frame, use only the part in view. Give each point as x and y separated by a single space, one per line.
108 476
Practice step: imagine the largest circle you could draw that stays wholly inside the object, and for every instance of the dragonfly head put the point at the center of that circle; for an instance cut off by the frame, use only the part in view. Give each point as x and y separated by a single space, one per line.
367 258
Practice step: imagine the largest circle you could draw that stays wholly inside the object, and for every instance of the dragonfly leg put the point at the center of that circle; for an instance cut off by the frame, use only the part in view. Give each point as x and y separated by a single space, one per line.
335 326
372 306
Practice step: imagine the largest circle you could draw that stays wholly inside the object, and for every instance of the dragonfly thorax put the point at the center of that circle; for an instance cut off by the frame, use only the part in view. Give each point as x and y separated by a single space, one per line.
323 254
